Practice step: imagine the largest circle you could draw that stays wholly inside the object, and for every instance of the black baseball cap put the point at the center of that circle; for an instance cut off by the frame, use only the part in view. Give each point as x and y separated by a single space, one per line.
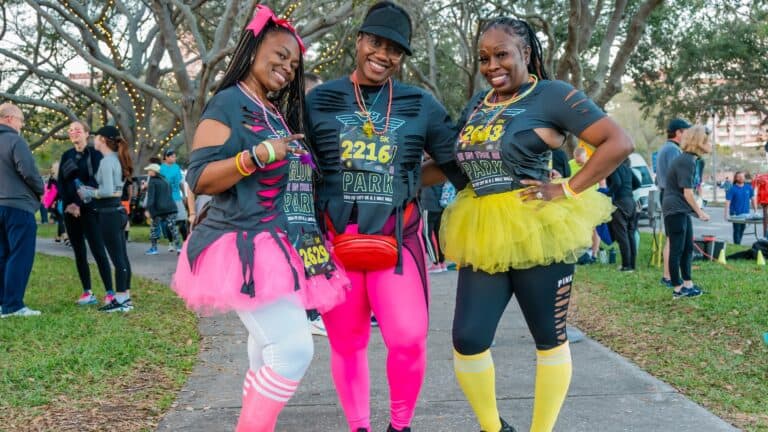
168 152
108 131
677 124
390 22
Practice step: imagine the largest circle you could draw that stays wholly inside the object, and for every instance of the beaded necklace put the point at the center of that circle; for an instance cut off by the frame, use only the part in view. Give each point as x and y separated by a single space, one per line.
478 133
305 158
368 127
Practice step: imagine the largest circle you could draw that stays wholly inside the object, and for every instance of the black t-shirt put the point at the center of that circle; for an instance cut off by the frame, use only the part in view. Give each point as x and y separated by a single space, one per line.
681 175
498 146
373 171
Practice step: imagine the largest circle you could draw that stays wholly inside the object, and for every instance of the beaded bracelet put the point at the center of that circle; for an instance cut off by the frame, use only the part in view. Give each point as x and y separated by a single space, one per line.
567 191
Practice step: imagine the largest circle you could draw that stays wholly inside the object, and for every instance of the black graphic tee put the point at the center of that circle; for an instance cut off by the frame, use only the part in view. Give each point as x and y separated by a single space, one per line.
374 170
498 145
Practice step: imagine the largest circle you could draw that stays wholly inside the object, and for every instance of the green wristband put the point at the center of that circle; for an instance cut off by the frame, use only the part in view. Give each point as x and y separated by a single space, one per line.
270 150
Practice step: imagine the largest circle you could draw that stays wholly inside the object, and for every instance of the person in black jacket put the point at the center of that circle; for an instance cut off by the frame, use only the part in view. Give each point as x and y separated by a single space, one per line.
79 165
161 208
621 183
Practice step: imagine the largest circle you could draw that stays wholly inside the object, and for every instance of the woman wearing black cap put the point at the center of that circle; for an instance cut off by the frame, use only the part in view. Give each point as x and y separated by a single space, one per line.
79 165
114 169
369 132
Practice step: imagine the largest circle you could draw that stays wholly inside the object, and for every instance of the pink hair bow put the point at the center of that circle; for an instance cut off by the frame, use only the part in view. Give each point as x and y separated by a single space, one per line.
265 15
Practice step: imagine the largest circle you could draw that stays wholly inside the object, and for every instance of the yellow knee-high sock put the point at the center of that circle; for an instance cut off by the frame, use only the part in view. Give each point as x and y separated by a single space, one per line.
477 378
553 376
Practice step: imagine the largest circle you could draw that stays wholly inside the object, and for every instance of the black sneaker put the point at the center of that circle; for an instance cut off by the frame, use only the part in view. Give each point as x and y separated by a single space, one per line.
586 259
687 292
505 427
114 306
405 429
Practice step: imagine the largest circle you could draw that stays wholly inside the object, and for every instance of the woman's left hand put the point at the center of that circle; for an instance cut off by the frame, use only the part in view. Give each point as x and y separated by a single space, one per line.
541 191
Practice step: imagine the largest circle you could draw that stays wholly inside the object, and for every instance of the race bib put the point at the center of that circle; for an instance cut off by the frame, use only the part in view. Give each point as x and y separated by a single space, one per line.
367 160
317 259
373 153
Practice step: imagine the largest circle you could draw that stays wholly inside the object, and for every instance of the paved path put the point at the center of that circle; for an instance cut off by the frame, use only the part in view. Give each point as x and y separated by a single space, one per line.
608 393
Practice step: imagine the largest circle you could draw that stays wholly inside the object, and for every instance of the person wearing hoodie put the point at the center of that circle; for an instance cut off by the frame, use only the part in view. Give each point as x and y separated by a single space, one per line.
160 208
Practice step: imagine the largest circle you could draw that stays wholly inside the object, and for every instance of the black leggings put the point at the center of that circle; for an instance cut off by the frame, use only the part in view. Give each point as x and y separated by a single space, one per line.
679 229
80 229
622 226
543 294
112 222
433 223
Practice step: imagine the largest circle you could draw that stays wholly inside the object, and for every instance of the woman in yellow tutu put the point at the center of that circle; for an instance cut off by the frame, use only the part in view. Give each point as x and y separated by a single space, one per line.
511 230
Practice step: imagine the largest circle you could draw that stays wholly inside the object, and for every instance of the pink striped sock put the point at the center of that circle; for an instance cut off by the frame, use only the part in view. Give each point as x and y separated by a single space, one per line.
265 393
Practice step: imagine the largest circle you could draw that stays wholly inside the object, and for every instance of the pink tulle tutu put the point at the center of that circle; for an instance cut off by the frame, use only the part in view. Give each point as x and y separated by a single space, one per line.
214 285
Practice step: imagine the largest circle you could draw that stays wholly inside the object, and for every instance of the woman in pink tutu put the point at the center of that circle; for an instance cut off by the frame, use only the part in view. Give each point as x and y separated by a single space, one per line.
245 255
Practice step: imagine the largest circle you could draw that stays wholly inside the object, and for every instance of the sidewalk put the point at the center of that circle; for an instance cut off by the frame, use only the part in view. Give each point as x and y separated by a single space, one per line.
607 393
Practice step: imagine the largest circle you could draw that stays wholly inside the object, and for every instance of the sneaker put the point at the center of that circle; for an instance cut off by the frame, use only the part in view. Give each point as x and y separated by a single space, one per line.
114 306
23 312
505 427
374 321
434 268
317 327
87 299
405 429
667 282
687 292
626 269
171 249
108 298
151 251
586 259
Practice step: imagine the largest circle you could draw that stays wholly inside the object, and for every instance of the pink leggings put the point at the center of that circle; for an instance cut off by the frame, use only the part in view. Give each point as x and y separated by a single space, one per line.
399 303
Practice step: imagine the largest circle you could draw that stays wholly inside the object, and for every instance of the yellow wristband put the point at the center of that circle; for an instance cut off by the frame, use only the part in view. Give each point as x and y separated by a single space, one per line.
567 191
239 168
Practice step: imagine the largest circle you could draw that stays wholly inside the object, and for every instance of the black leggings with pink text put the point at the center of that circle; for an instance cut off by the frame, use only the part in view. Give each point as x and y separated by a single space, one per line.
542 292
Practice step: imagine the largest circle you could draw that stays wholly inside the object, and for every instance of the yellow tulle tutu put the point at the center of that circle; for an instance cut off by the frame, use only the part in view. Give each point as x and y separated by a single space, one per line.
497 232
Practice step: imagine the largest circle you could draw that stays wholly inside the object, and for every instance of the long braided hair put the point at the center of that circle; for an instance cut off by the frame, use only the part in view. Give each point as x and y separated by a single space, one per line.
523 30
290 99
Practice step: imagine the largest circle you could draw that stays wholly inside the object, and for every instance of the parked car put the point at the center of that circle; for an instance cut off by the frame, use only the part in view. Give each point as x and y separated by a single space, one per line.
643 173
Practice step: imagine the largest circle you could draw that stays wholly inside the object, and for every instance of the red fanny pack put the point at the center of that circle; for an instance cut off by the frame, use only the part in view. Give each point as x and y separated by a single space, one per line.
367 252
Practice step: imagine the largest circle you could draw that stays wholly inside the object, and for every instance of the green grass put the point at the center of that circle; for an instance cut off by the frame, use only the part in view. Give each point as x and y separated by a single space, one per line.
710 348
139 233
78 364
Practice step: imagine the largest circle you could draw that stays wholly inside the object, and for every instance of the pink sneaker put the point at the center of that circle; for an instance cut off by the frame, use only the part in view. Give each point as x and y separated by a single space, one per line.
109 298
87 299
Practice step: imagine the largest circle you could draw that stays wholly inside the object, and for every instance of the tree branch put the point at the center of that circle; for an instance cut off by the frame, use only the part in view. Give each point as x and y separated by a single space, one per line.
106 67
315 28
636 29
605 48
